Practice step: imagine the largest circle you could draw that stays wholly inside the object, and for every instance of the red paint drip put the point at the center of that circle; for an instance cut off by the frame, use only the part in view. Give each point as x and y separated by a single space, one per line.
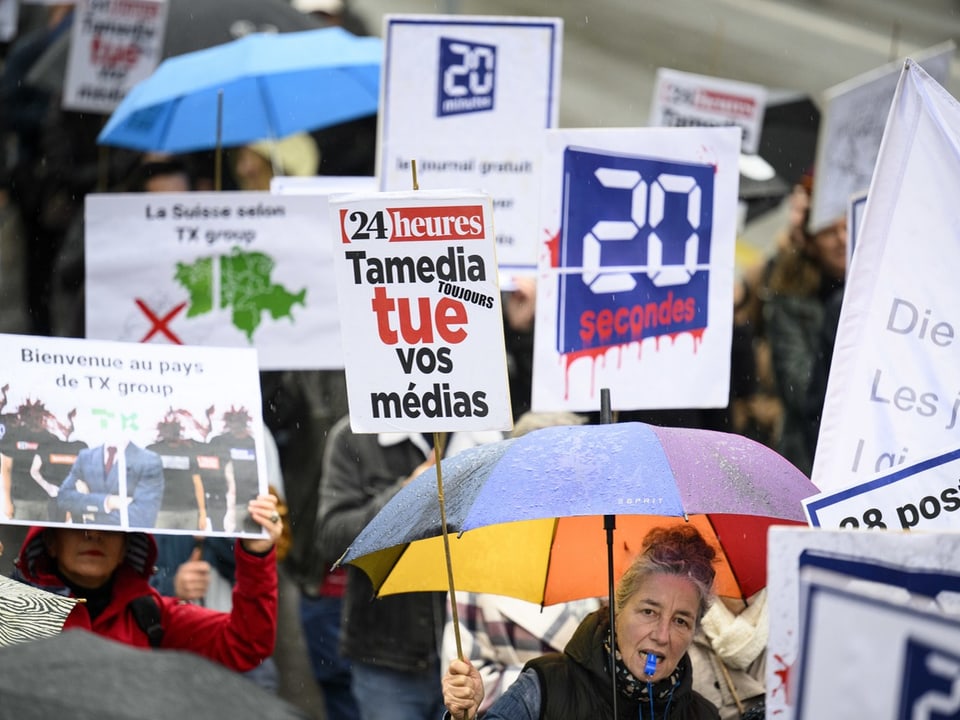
595 354
553 246
783 676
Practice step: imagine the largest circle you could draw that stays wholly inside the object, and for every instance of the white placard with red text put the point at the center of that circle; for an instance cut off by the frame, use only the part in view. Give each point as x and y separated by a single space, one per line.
113 45
234 269
682 99
420 312
635 283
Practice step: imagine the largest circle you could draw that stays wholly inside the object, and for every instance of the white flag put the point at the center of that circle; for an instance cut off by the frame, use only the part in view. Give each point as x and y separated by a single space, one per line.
894 388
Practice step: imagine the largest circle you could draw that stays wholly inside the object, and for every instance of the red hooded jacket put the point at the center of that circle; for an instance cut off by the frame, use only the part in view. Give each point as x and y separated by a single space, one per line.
240 639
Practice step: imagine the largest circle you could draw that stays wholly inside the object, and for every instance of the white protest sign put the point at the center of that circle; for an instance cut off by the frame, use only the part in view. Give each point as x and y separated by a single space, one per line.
422 326
185 422
682 99
892 392
865 657
894 565
114 44
635 287
923 495
321 184
235 269
854 114
468 99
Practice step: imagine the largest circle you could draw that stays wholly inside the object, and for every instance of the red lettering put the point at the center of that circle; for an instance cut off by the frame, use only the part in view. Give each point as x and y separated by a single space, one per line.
450 315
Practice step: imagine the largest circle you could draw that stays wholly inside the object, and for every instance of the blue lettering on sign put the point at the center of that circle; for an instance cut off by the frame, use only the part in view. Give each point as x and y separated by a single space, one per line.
467 77
931 683
634 249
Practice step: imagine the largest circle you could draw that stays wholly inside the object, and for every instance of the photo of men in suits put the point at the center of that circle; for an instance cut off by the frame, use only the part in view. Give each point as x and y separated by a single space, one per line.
114 484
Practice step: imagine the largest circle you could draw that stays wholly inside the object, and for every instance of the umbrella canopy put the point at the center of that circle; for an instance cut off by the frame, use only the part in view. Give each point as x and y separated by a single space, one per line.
80 675
191 25
29 613
529 511
272 85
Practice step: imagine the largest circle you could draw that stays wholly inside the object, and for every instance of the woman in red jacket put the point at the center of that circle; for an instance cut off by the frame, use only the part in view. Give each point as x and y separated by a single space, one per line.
109 572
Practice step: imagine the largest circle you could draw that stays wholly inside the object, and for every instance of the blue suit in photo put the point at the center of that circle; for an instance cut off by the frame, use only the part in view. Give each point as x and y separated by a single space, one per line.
144 475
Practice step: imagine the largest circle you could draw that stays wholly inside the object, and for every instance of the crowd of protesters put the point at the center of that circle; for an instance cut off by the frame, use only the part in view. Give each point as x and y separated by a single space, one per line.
785 318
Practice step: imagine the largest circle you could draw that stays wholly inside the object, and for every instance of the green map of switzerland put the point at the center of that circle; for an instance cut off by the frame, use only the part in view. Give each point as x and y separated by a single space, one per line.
245 287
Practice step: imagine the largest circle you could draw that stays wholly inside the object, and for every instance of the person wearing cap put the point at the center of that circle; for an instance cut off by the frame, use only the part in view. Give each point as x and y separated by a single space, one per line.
110 570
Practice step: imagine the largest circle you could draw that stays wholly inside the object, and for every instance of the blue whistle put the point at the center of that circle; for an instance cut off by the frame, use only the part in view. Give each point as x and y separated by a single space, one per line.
651 667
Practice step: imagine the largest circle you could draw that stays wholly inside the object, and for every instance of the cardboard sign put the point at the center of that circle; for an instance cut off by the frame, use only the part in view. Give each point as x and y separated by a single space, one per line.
468 99
635 286
422 325
114 44
892 395
235 269
916 569
682 99
854 117
183 423
924 496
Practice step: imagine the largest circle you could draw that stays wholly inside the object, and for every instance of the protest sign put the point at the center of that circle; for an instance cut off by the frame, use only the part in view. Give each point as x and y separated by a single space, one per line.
468 99
854 114
183 424
235 269
867 657
321 184
906 568
924 495
682 99
635 286
892 392
114 44
422 327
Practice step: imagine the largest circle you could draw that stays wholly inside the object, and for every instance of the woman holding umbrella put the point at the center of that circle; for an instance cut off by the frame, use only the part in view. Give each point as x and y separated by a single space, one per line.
109 571
659 602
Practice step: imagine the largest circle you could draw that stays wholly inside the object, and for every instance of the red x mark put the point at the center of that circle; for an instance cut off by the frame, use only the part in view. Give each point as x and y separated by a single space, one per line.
160 325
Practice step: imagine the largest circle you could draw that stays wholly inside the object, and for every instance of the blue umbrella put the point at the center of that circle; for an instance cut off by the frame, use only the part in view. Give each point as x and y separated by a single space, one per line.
271 85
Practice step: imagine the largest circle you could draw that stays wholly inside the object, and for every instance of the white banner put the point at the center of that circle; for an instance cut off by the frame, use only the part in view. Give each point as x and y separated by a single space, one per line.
915 568
682 99
854 113
420 309
114 44
235 269
184 423
468 99
922 496
635 287
892 396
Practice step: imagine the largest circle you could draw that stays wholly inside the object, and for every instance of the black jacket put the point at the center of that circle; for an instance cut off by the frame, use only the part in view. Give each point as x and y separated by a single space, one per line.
576 683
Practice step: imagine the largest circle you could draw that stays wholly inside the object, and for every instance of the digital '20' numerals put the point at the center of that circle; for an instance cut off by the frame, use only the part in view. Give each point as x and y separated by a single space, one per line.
639 230
467 77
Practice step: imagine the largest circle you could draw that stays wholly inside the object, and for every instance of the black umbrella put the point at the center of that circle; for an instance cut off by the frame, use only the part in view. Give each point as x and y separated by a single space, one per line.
80 675
788 138
191 25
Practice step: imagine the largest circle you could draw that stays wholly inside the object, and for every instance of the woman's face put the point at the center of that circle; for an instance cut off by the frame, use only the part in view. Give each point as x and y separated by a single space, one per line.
86 557
830 248
659 618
